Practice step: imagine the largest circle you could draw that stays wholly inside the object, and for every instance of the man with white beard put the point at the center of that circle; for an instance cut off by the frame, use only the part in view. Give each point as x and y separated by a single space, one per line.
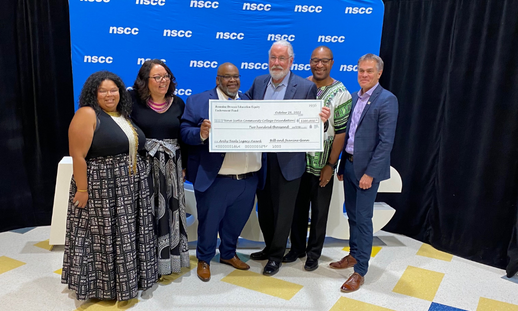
276 202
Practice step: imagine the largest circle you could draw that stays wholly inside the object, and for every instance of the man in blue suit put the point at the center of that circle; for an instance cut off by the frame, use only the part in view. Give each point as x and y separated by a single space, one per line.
283 170
365 162
224 184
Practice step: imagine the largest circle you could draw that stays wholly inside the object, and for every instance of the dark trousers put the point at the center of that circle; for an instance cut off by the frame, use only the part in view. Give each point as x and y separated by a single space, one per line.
276 204
224 208
359 205
319 197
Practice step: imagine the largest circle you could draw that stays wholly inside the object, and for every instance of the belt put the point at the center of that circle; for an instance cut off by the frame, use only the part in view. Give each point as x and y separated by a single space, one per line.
349 157
238 176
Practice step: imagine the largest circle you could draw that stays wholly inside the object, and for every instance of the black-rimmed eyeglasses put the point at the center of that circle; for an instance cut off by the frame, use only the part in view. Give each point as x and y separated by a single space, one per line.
160 78
324 61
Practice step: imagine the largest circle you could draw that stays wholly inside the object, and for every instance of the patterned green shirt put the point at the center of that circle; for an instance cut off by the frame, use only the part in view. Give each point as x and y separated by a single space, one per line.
338 99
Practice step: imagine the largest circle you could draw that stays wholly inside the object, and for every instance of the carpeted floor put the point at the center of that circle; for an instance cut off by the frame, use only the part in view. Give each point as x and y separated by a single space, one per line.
404 274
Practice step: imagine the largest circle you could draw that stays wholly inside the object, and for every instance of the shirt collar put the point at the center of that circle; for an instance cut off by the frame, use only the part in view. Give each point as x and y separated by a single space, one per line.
283 82
368 93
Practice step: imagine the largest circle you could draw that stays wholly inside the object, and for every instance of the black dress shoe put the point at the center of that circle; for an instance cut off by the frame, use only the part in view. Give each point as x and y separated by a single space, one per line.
311 264
271 268
261 255
291 256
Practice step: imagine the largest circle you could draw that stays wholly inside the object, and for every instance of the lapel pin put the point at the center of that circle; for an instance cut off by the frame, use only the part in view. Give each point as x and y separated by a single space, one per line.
368 103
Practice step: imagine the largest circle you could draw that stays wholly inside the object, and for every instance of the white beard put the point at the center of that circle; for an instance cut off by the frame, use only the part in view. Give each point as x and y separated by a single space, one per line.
278 75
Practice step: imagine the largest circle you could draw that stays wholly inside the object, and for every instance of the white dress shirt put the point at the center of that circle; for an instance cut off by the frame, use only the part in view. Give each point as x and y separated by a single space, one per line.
236 163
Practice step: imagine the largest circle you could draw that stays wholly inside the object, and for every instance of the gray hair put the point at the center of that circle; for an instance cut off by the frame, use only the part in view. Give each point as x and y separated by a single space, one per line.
283 43
376 58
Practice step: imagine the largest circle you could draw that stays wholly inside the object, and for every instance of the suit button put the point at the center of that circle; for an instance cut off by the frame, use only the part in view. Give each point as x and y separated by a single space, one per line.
222 155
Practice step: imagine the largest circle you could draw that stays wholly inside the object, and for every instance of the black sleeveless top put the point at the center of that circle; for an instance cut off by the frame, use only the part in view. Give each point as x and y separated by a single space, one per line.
109 139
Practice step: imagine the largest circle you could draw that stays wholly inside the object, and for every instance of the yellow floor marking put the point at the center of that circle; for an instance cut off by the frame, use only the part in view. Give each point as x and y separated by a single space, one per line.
106 305
263 284
486 304
45 245
375 250
355 305
419 283
7 264
427 250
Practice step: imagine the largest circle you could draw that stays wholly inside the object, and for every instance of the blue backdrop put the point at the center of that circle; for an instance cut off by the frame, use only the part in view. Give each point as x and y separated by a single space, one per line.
193 37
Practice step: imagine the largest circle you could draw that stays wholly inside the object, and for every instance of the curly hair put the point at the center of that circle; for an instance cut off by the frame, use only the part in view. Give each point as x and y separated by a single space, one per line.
141 82
88 97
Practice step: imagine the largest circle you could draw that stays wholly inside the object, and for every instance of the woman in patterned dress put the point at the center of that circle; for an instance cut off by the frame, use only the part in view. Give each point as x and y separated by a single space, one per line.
110 246
157 111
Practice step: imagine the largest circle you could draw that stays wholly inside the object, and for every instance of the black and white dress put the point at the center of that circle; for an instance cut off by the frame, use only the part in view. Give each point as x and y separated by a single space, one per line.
164 151
110 246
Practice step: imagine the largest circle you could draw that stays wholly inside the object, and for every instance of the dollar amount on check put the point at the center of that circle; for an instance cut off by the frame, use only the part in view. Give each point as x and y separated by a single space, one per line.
265 126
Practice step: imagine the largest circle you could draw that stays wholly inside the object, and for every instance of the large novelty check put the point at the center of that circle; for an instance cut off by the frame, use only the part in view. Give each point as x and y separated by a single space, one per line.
265 126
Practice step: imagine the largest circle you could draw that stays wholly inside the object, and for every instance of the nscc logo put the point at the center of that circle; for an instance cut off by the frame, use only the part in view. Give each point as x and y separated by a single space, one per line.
181 92
256 7
308 8
334 39
204 4
277 37
295 67
252 65
150 2
124 30
230 35
349 68
141 60
98 59
203 64
177 33
105 1
357 10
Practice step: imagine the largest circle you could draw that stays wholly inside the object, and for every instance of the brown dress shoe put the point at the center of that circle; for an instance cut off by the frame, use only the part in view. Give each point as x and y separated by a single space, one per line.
344 263
352 284
235 262
203 271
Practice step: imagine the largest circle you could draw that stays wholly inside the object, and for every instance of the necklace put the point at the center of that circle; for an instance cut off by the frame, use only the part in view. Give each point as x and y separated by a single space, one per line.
160 108
114 114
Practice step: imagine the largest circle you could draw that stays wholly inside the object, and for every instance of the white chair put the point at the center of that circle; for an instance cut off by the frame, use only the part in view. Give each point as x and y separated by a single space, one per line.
337 224
59 211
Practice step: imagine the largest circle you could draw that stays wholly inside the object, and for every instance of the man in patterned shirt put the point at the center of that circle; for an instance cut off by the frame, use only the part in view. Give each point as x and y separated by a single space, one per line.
317 182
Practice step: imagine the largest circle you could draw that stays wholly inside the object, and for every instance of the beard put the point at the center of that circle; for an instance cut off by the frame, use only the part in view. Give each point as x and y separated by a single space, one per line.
227 91
278 75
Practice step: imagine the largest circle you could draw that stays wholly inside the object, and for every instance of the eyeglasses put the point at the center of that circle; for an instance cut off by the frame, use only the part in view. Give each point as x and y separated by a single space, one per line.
281 59
160 78
228 77
106 92
324 61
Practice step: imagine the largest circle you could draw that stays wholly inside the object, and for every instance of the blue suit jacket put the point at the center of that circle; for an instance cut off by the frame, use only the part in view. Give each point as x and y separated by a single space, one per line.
202 166
374 135
292 164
